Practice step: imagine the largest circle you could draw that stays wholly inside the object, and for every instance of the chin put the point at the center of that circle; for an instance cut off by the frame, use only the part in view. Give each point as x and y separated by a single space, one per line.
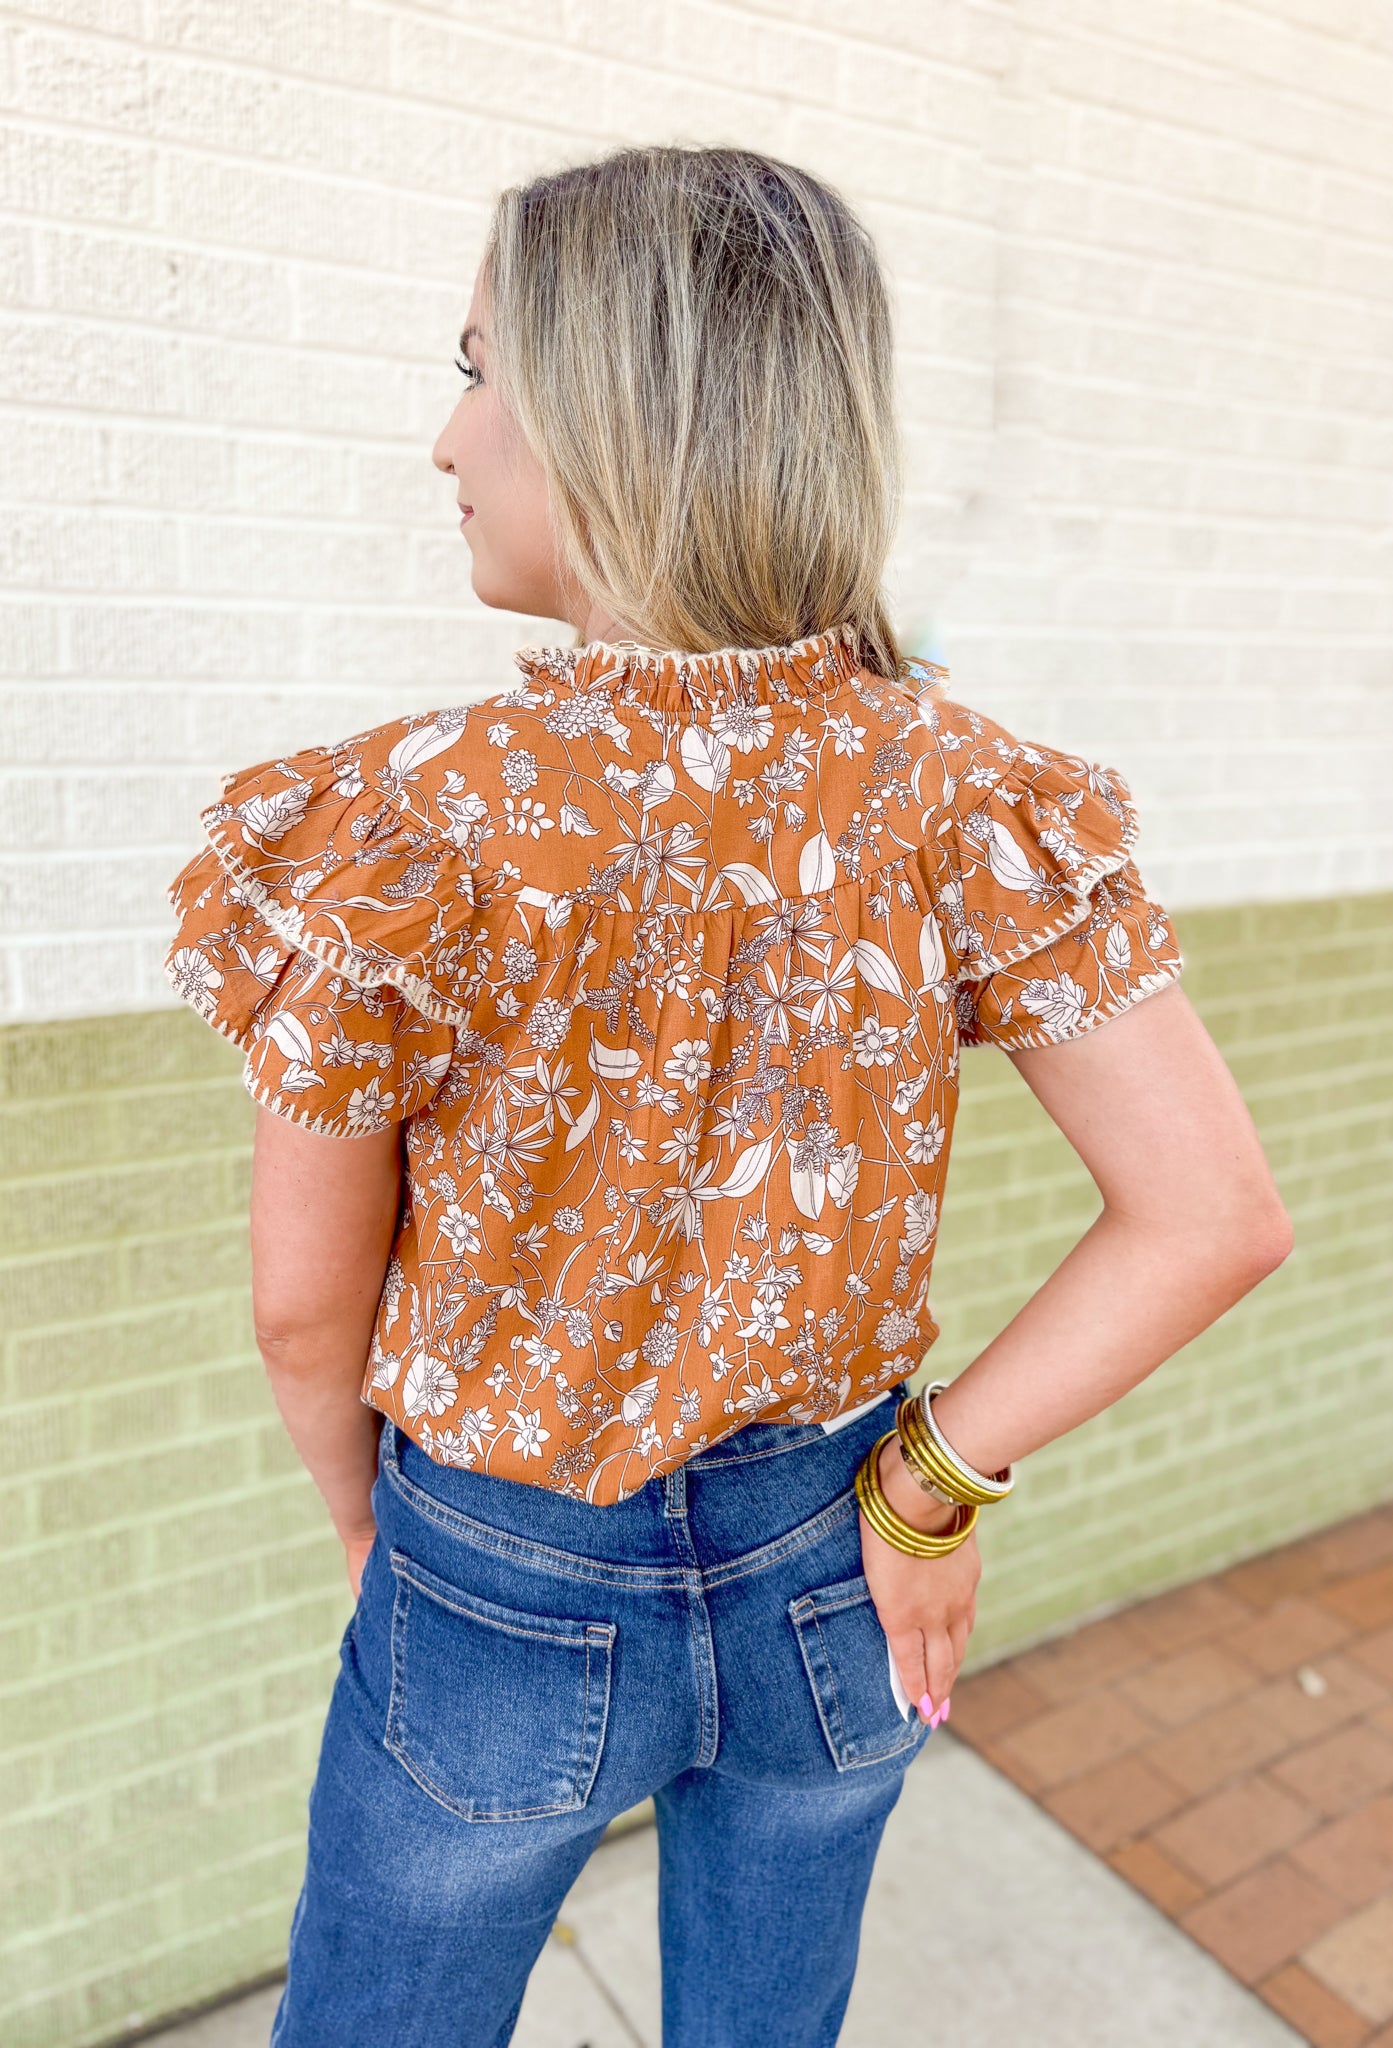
499 593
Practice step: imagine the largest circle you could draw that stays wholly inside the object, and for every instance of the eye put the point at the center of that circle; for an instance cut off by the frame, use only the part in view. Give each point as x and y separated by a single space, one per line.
468 372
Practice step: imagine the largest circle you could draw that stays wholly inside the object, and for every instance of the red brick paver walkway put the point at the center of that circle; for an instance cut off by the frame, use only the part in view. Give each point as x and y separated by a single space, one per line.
1228 1748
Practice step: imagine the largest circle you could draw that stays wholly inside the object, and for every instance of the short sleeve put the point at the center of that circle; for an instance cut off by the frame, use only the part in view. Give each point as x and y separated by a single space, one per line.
1123 948
277 949
1051 926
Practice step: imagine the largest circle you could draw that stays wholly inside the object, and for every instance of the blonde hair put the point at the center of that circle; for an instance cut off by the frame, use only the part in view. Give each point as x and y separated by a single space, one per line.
696 344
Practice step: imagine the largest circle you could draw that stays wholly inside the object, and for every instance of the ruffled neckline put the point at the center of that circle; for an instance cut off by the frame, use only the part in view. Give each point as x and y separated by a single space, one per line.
804 669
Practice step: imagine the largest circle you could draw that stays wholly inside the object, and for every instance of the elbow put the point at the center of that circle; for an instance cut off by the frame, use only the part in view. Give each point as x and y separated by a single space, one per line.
1236 1241
1256 1238
1273 1238
283 1344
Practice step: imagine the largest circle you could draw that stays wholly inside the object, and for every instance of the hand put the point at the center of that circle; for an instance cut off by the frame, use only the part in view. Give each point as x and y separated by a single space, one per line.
927 1605
356 1548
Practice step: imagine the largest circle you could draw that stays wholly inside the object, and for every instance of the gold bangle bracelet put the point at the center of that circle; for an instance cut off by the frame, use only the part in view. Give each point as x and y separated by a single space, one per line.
923 1451
928 1486
891 1527
999 1483
923 1457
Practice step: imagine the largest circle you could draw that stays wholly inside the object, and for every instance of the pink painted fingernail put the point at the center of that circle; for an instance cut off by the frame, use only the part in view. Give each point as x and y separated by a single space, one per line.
926 1707
943 1710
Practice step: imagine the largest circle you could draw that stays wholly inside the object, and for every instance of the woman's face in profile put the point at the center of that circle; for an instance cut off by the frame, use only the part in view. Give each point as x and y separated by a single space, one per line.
500 487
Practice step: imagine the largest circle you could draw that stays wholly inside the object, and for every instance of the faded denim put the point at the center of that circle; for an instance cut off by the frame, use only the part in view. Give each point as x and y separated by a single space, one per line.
522 1667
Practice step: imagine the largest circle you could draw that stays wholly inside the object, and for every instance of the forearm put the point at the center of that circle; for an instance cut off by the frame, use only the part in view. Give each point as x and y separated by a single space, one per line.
323 1217
1123 1300
316 1378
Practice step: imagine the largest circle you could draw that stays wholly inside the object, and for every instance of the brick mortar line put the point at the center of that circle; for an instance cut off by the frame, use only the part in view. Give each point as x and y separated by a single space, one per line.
91 124
1217 72
397 95
448 28
268 1548
247 1494
1122 182
1110 179
277 1547
1159 266
126 1313
99 1668
114 1168
206 1629
1097 35
160 1948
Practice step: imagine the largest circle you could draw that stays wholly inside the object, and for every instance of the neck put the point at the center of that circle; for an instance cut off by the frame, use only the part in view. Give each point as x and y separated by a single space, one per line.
599 624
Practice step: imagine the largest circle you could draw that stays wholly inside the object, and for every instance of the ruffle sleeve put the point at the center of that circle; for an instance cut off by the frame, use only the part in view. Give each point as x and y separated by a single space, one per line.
1050 924
304 927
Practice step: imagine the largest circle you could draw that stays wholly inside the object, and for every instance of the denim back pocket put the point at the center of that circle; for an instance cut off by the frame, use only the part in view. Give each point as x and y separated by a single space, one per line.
847 1659
497 1714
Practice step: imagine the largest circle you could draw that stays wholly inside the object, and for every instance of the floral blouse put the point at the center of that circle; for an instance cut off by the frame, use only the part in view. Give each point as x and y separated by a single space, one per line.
662 963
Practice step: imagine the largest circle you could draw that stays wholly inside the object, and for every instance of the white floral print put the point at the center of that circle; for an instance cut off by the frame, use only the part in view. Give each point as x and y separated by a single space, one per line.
677 1080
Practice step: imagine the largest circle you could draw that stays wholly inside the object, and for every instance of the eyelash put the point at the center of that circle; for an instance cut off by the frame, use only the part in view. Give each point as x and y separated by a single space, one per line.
468 370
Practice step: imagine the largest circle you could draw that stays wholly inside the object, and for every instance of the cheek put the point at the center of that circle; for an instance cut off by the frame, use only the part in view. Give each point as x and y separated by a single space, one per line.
512 492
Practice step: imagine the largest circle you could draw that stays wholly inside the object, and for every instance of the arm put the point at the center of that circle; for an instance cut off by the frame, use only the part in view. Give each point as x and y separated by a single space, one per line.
323 1216
1191 1221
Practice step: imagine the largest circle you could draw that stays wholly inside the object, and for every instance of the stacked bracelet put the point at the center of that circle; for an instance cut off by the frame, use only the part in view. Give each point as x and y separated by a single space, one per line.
932 1458
892 1527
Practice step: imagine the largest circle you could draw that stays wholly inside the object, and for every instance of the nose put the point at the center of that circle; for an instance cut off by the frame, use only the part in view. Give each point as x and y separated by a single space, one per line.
439 457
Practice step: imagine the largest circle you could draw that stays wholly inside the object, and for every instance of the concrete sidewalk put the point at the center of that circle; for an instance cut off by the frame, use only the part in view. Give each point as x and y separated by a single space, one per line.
1016 1932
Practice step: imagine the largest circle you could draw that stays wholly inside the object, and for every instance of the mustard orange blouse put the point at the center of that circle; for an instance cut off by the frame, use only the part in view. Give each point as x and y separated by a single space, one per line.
662 962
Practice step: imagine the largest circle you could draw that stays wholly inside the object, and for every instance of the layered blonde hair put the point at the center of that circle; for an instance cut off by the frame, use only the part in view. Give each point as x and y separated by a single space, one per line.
697 345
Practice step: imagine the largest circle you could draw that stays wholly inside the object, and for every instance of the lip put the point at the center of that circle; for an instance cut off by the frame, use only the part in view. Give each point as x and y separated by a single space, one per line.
466 512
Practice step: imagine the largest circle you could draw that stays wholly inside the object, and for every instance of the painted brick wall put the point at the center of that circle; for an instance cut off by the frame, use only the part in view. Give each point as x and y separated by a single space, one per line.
171 1591
1144 274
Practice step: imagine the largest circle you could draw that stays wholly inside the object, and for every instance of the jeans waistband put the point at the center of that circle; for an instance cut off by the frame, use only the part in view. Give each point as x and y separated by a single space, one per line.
773 1484
772 1439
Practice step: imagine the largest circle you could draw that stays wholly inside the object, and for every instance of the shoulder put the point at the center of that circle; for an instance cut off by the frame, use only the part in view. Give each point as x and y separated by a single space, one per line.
409 773
978 768
363 852
1024 831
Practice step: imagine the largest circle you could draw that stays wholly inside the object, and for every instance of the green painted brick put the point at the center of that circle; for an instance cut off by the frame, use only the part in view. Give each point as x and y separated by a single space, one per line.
230 1394
297 1688
122 1420
168 1980
140 1614
178 1789
74 1283
126 1345
118 1203
97 1055
241 1527
102 1757
102 1939
51 1840
284 1754
158 1268
183 1119
21 1656
123 1489
196 1840
31 1903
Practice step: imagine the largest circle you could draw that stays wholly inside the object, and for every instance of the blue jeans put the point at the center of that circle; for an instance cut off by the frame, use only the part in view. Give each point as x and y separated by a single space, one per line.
522 1667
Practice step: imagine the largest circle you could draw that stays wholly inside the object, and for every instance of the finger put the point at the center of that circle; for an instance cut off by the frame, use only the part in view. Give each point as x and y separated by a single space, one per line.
907 1649
942 1667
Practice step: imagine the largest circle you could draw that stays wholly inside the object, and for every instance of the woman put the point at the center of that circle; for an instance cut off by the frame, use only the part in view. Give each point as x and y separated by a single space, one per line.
605 1035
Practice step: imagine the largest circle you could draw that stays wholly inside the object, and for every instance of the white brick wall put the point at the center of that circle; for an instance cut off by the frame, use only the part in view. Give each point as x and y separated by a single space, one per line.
1143 258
